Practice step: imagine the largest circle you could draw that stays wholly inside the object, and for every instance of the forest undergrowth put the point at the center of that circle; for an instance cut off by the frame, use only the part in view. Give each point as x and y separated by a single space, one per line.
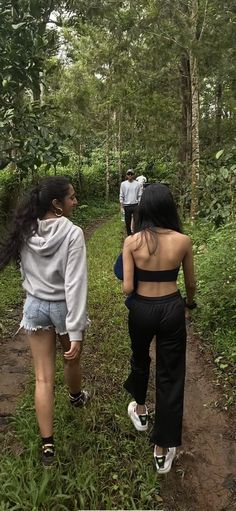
100 455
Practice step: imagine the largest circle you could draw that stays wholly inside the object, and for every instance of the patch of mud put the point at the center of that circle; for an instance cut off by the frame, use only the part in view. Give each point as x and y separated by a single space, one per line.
203 477
15 361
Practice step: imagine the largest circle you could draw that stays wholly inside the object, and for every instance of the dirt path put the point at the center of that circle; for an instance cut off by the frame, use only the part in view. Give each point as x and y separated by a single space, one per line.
15 359
203 477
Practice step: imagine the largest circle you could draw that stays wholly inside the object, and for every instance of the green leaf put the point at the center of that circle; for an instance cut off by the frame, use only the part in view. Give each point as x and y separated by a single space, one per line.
16 26
224 366
219 154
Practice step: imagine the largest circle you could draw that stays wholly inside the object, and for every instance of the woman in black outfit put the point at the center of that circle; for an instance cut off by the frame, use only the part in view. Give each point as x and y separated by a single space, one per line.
154 254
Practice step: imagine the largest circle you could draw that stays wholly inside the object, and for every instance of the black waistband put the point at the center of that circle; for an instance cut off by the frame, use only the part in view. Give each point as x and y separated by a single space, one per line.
156 276
167 298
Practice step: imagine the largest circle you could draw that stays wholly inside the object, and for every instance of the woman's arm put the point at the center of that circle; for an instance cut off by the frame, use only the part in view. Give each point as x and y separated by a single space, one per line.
128 266
76 288
189 276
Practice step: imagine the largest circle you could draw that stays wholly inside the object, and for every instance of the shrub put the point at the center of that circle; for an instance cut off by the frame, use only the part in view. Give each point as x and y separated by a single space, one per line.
216 282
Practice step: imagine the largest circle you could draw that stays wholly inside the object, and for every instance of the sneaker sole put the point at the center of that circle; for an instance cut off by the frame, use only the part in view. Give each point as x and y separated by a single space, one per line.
49 465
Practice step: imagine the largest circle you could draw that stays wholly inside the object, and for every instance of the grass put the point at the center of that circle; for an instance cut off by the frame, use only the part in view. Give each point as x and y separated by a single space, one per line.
103 462
214 319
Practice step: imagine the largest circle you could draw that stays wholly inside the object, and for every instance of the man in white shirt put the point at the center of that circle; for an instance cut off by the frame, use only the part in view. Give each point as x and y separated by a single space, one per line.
130 195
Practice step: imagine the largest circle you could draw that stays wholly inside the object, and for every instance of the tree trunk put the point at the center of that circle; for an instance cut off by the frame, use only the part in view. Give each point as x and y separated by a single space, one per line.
119 146
195 114
219 94
79 174
107 191
186 121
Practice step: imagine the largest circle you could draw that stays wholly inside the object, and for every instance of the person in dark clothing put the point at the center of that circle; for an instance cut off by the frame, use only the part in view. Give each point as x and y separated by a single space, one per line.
155 253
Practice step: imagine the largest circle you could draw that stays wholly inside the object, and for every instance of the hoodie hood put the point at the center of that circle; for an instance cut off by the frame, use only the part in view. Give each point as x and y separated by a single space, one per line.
51 234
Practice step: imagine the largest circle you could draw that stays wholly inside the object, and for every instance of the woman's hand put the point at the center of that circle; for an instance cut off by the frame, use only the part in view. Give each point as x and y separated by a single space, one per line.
74 351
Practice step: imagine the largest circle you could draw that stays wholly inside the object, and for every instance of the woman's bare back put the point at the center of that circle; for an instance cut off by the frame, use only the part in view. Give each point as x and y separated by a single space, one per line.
165 250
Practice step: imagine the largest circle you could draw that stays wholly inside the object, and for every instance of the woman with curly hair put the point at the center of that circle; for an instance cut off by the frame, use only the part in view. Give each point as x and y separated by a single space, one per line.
52 255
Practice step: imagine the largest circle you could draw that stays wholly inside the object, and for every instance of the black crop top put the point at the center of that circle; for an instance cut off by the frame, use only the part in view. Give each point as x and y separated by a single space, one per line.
156 275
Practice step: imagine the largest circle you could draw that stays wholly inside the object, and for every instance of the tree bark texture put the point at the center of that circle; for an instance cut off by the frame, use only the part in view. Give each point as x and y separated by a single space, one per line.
186 120
120 146
107 191
195 113
219 94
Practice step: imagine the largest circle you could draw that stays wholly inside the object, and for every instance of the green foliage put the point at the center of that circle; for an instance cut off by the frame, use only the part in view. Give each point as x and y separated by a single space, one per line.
218 184
9 189
93 210
215 252
111 84
27 134
11 294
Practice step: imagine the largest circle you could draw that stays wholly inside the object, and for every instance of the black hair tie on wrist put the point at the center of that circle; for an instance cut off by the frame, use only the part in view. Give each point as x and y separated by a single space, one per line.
190 306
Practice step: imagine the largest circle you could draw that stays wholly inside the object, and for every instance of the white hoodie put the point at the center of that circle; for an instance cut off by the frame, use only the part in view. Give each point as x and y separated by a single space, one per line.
54 268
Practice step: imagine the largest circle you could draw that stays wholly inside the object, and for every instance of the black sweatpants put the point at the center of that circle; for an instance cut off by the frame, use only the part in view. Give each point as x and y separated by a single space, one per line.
130 210
165 318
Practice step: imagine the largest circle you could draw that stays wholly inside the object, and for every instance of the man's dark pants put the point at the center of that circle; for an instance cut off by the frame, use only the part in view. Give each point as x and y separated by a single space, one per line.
130 210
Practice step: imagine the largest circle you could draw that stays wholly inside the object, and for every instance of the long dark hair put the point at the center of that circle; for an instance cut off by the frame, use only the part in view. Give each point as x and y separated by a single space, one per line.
157 208
34 205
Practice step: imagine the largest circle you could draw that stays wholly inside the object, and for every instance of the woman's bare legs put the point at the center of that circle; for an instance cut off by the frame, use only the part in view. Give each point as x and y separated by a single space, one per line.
43 348
72 368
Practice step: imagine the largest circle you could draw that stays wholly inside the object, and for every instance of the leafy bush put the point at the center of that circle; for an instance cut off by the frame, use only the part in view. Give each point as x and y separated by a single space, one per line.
216 280
9 189
217 188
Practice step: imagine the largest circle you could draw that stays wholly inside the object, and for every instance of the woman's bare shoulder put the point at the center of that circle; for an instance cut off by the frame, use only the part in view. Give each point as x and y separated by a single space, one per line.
184 239
131 241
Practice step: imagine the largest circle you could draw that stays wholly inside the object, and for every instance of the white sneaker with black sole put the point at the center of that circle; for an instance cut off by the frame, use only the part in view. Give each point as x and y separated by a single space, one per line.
163 463
140 422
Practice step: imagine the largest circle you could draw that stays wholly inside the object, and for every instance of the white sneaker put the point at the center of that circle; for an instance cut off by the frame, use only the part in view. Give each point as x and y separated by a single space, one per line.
163 463
140 422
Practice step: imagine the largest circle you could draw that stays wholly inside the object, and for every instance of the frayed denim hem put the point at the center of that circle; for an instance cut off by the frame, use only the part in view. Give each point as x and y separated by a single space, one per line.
31 329
28 328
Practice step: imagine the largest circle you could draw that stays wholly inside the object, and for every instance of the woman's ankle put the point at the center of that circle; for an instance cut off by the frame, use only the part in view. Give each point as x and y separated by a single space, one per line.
47 440
160 451
141 409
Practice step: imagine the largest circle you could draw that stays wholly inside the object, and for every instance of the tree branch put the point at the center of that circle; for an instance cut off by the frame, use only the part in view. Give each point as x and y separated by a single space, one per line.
204 21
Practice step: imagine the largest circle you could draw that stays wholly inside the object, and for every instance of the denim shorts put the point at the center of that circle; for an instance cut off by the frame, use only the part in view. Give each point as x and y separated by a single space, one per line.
41 315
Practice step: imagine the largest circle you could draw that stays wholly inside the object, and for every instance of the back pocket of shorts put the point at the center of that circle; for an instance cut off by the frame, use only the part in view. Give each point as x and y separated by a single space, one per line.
31 308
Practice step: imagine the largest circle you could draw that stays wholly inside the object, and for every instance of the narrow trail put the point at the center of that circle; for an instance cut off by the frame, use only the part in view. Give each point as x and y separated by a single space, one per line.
203 477
15 362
